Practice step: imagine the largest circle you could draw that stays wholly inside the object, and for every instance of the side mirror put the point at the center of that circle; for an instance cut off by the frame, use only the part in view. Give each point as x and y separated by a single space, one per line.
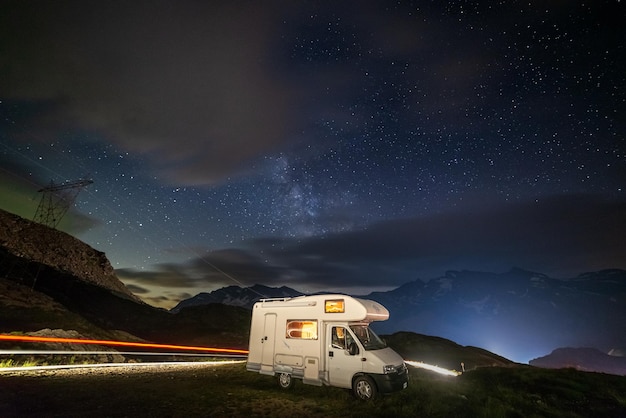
353 350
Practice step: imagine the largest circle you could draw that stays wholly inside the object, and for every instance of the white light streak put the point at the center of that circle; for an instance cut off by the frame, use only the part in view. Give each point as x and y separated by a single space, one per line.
98 365
138 353
430 367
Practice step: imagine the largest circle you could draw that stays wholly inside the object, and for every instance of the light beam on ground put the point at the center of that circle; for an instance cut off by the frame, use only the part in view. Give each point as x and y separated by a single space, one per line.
430 367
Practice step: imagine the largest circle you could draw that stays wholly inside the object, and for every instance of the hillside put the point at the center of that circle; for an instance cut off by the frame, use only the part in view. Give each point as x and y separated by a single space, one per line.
51 280
443 353
66 302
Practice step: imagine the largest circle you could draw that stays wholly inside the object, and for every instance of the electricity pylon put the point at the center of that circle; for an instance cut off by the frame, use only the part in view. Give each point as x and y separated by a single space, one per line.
56 200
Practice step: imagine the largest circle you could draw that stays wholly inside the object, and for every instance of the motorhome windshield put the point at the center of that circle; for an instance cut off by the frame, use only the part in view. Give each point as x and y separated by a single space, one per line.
368 338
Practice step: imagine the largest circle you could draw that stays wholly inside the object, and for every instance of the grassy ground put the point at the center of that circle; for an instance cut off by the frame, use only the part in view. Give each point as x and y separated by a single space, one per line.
201 391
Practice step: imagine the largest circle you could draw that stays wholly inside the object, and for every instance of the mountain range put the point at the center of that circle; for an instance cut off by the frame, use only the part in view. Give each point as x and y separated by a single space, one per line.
518 314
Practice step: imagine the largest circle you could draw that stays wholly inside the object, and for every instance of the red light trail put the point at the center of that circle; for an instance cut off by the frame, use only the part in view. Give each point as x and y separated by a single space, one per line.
24 338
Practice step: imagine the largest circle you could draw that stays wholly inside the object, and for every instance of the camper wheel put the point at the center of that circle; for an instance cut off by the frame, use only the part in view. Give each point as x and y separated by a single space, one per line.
364 388
285 381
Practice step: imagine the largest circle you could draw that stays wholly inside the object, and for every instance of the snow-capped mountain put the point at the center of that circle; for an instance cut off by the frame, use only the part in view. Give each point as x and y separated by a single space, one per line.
237 296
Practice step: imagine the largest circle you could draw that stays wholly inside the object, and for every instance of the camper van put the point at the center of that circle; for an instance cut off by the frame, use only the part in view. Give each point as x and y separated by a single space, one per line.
324 340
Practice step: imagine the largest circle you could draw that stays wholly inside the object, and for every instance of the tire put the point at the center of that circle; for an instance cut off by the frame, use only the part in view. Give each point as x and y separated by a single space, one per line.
364 388
285 381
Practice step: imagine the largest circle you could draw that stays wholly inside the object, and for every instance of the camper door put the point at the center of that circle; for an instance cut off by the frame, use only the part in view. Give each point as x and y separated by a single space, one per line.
344 359
269 340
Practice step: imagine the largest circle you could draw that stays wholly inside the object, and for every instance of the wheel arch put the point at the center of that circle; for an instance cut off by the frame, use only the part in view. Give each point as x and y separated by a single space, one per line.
359 374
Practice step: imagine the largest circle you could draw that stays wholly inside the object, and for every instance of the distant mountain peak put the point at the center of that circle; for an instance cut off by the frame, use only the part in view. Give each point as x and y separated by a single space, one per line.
237 296
604 274
582 358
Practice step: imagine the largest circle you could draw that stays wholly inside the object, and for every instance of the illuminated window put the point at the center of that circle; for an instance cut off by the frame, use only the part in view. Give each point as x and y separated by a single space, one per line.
302 329
334 306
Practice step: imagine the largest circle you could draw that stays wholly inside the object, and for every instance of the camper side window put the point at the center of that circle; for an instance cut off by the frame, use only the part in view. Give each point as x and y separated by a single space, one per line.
341 338
302 329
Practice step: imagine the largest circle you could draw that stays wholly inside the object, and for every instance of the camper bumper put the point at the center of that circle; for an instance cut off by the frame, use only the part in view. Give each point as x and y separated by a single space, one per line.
392 382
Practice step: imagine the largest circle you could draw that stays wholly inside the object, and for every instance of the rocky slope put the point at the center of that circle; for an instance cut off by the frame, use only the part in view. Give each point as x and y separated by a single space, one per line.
33 243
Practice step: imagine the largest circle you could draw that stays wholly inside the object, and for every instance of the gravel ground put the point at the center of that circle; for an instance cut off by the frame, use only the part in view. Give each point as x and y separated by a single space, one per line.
155 391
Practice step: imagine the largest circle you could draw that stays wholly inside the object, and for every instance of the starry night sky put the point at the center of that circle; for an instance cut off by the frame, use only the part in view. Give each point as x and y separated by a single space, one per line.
341 146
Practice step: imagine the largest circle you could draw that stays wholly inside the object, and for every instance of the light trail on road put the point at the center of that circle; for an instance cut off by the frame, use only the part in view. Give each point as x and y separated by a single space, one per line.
142 353
26 338
125 365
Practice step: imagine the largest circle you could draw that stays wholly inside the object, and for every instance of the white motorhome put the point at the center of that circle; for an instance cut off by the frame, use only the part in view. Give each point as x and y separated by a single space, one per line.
324 340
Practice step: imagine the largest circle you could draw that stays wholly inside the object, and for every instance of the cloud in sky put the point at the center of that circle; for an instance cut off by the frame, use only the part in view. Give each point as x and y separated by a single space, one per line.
189 85
203 89
581 220
584 232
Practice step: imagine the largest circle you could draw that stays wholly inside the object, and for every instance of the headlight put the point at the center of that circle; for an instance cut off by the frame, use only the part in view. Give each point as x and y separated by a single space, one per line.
389 369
